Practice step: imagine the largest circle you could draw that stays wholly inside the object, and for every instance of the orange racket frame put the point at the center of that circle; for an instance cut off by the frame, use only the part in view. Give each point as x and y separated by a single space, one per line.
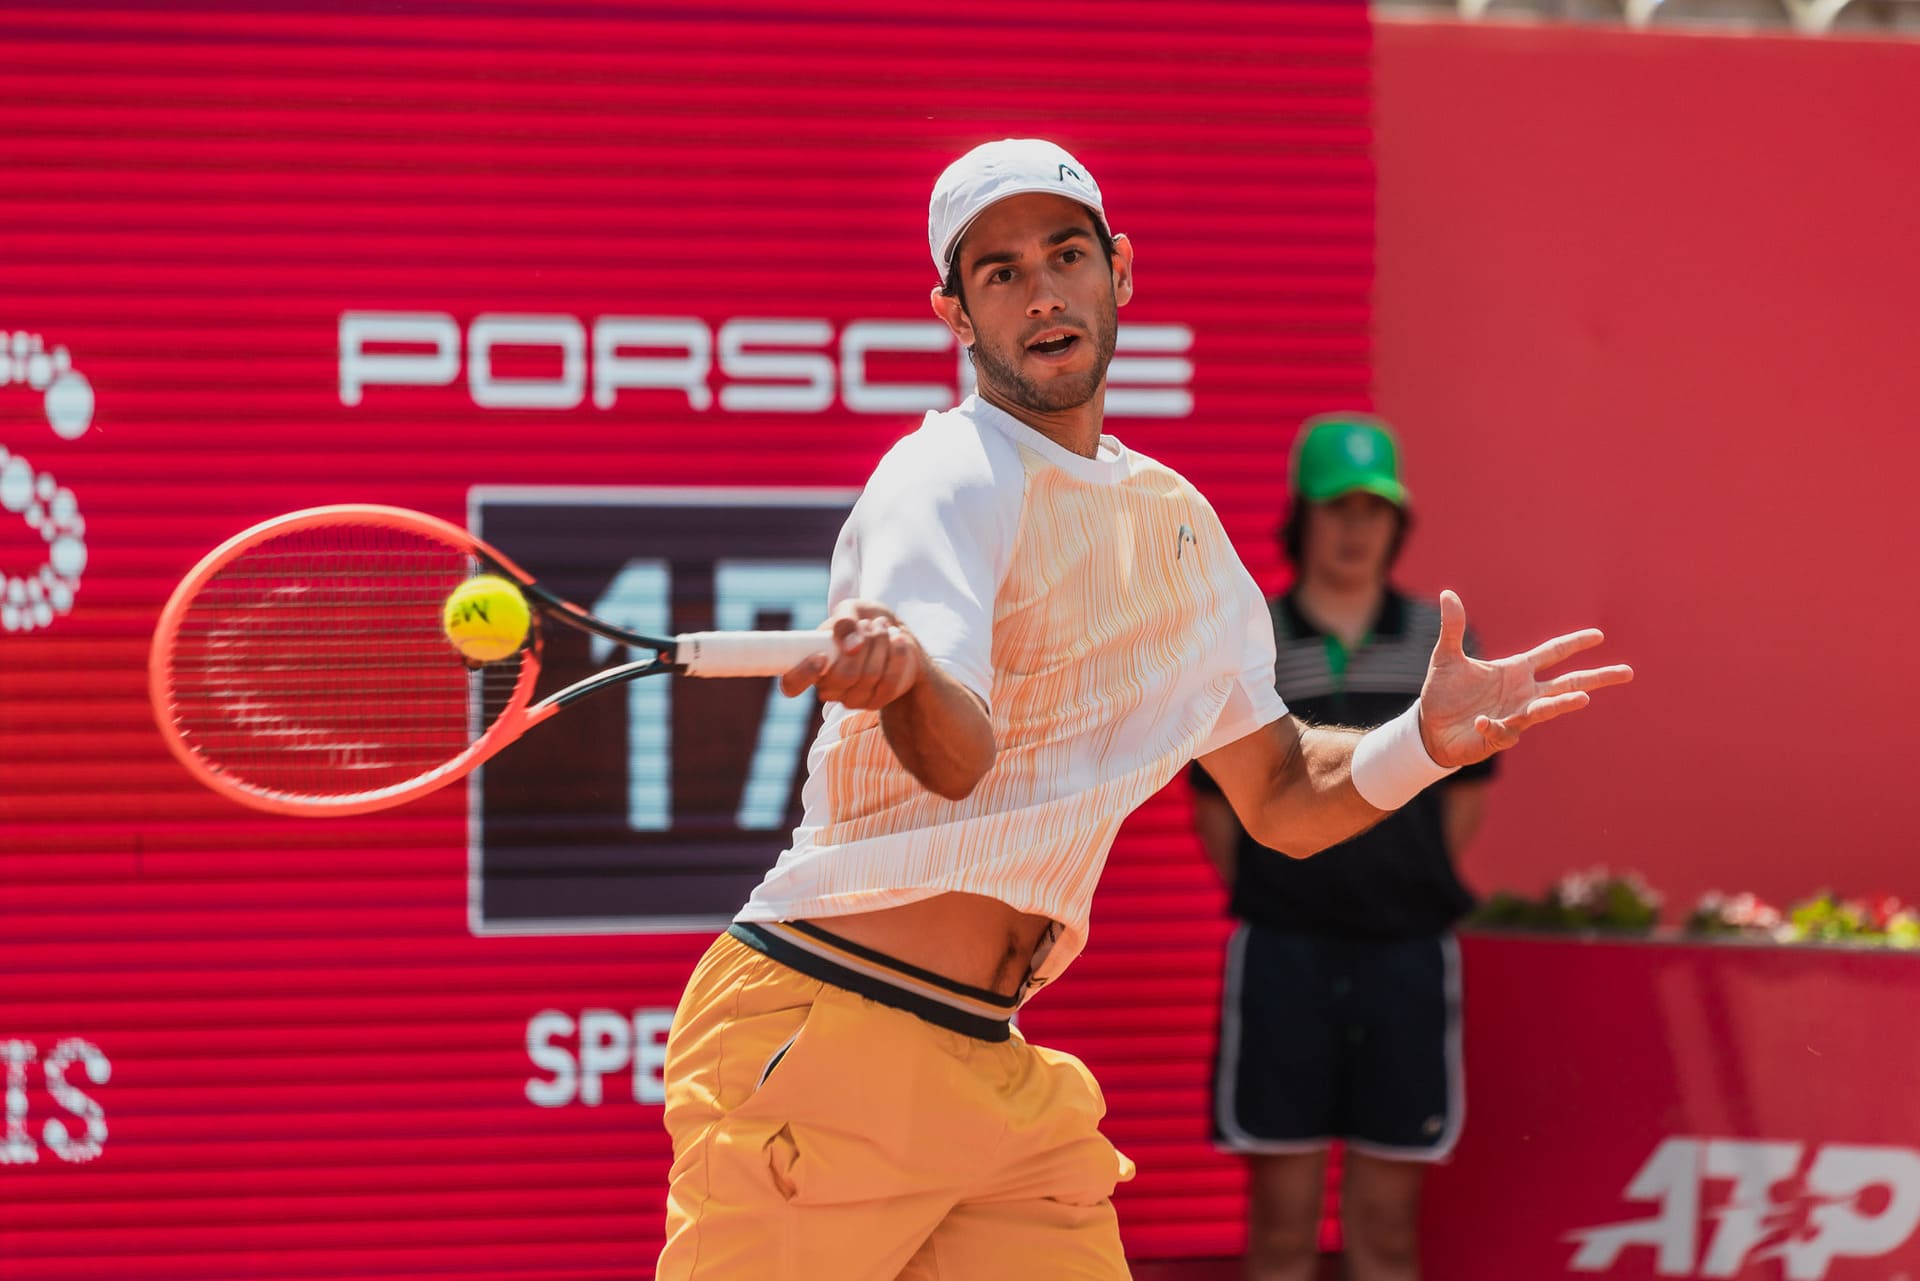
759 654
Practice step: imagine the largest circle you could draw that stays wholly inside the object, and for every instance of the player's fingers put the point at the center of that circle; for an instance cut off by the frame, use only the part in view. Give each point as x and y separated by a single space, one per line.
1496 733
865 665
1596 678
869 690
903 666
839 678
1561 648
1542 710
1453 625
842 666
846 631
803 675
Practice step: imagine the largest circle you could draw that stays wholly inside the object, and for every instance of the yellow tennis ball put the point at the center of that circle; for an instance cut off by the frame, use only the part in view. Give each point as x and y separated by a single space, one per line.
486 618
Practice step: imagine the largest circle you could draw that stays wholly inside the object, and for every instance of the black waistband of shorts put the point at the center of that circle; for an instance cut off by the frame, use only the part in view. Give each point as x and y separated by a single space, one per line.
803 946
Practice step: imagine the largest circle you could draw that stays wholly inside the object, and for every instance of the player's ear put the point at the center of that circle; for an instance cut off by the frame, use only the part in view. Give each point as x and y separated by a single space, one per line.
1122 270
953 315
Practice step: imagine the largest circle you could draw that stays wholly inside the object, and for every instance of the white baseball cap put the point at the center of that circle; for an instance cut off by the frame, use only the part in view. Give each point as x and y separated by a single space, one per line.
989 174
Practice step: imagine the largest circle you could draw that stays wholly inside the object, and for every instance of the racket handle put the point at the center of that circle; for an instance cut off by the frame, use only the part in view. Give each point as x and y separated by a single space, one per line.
746 653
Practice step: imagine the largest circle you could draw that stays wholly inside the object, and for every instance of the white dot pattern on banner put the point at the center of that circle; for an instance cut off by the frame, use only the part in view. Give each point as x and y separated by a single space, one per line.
16 1148
58 1136
69 556
36 497
70 405
16 484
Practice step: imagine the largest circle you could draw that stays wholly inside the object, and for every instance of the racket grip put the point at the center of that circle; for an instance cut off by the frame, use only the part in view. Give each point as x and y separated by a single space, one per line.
746 653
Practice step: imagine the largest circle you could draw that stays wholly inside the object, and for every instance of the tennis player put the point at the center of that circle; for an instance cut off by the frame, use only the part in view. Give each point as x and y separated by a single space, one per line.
1037 628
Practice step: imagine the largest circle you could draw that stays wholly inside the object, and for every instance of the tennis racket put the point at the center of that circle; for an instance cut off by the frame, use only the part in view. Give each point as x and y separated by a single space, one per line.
302 667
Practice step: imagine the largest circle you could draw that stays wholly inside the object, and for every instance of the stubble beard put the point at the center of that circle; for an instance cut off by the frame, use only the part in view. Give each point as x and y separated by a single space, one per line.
1056 394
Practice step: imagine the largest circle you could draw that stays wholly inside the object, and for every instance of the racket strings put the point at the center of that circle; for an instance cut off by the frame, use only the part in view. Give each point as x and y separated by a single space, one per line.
314 663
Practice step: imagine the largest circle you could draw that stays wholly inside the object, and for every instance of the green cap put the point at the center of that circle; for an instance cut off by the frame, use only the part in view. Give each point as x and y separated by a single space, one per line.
1338 454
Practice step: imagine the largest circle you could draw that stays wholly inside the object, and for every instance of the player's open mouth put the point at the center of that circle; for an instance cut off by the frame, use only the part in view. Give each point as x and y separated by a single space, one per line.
1055 347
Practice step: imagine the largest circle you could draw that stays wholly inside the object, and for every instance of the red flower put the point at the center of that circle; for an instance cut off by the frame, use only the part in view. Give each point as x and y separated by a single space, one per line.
1881 908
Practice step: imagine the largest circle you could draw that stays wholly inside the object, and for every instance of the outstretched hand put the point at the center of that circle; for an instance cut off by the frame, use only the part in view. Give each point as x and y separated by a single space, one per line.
1471 708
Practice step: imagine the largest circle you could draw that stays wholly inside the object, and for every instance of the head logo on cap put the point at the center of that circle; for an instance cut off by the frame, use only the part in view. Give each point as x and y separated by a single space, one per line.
989 174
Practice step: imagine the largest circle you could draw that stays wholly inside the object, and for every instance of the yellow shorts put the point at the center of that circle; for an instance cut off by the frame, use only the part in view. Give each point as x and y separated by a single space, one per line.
822 1135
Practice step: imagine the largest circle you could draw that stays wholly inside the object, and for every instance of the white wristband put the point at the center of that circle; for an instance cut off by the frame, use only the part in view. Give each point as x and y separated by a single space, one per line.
1391 765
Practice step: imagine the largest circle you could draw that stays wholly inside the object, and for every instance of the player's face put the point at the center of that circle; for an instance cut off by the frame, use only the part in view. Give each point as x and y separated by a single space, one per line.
1347 541
1041 302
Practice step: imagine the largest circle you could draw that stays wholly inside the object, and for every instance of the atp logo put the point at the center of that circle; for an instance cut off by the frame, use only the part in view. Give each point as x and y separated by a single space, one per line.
1799 1205
31 597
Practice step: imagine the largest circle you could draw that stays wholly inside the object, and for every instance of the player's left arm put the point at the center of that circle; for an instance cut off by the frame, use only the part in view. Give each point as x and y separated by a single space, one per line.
1294 785
1291 784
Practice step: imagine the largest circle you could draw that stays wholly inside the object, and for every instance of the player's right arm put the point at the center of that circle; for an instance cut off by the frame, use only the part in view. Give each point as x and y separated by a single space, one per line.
937 727
914 578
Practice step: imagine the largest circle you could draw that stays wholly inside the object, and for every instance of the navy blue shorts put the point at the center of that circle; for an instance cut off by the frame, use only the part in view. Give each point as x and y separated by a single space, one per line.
1327 1038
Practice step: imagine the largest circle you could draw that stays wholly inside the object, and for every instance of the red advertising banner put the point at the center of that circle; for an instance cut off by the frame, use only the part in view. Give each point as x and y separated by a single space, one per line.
588 281
1643 1110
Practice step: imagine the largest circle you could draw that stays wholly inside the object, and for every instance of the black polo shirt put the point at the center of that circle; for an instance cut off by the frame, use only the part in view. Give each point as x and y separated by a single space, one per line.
1396 879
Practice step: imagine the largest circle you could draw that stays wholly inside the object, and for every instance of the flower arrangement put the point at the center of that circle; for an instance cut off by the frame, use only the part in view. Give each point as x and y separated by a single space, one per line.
1740 915
1880 918
1595 899
1600 900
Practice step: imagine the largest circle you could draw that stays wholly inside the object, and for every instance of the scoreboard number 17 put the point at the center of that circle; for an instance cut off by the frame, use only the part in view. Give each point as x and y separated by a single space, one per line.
640 597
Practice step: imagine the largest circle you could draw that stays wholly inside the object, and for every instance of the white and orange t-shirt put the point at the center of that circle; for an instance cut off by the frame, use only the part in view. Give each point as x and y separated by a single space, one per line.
1098 608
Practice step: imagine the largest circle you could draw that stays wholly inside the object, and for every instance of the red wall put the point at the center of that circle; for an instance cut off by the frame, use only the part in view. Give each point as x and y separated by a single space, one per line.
1646 317
303 1059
